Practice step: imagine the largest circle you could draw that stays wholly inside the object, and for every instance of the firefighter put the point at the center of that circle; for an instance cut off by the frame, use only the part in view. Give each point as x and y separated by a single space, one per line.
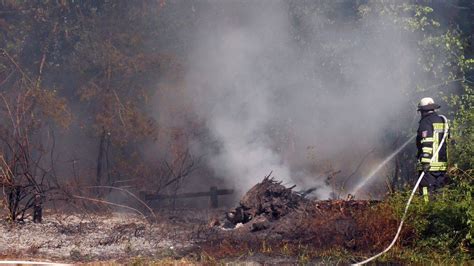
430 133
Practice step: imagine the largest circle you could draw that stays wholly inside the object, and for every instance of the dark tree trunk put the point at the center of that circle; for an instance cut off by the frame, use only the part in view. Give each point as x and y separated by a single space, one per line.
100 158
37 209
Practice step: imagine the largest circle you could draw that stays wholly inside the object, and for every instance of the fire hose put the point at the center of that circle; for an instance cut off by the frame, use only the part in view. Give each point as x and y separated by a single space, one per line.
20 262
446 128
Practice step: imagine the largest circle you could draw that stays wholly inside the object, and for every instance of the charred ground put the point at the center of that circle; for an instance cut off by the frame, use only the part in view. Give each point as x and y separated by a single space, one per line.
272 222
276 220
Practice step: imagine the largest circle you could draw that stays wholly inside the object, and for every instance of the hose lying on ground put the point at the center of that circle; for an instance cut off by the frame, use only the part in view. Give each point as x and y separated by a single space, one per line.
410 199
20 262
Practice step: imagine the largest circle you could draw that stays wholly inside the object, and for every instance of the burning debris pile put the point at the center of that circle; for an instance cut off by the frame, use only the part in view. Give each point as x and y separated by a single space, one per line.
273 214
266 202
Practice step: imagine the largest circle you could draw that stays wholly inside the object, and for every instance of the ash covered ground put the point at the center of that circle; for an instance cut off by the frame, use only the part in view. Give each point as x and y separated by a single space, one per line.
271 223
114 236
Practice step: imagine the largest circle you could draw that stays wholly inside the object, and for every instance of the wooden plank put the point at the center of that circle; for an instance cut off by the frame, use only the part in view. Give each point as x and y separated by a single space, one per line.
214 197
218 192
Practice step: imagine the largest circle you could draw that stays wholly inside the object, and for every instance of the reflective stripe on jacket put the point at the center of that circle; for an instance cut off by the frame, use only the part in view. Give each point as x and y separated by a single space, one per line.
429 135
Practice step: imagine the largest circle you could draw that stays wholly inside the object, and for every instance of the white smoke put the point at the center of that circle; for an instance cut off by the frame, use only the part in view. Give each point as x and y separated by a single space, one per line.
289 97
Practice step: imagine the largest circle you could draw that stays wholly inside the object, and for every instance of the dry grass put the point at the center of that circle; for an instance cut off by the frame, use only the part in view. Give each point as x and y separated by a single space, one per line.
337 229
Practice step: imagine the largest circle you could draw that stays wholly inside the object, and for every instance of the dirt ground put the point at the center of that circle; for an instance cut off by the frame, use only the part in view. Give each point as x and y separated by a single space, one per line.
123 238
114 236
271 224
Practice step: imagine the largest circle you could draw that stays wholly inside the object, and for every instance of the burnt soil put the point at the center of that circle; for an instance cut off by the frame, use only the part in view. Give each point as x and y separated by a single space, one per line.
271 222
102 237
276 220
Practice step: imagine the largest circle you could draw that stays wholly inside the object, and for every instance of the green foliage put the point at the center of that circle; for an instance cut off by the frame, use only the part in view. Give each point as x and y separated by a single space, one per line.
443 229
462 132
444 226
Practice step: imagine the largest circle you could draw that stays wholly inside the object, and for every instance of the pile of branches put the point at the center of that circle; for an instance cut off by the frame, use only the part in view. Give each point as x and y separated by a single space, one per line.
266 201
277 217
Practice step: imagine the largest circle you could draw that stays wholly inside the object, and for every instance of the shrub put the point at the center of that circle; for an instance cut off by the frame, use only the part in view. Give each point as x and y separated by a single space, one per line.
444 225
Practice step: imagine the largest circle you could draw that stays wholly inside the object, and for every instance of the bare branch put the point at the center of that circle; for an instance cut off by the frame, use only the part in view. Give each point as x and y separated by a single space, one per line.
129 193
109 203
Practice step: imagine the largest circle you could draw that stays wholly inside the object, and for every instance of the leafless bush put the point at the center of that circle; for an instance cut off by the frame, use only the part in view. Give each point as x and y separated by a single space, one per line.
26 163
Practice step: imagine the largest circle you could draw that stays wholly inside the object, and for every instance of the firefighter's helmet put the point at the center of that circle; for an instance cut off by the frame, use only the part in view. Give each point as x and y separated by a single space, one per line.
427 104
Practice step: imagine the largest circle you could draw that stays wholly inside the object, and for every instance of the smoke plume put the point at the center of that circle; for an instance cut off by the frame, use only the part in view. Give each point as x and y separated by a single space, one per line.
294 89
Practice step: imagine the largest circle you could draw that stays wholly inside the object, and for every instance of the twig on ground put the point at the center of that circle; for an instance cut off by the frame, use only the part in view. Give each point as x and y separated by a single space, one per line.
109 203
131 194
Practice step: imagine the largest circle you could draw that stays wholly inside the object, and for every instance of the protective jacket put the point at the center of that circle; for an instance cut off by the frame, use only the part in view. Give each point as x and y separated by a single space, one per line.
430 133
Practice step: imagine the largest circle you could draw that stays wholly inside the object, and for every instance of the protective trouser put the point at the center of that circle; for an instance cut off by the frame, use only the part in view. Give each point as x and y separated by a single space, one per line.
431 182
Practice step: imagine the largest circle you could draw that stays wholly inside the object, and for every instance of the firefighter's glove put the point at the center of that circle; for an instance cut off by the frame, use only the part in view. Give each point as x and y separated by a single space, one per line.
426 167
